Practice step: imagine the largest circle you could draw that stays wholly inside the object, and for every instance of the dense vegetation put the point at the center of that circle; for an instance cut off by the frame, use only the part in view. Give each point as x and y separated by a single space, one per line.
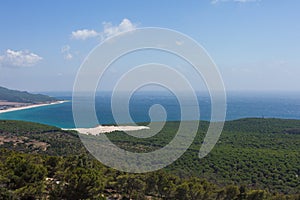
23 97
38 138
254 159
260 153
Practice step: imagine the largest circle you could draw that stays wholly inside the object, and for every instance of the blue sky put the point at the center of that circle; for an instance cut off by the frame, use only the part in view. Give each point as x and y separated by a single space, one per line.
255 43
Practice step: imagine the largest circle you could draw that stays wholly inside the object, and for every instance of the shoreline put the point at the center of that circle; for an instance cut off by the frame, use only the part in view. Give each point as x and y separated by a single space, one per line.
107 129
31 106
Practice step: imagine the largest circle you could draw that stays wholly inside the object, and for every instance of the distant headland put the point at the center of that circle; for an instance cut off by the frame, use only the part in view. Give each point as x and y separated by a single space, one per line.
13 100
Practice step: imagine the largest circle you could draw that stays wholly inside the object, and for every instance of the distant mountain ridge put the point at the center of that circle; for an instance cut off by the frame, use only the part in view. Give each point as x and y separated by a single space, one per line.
23 96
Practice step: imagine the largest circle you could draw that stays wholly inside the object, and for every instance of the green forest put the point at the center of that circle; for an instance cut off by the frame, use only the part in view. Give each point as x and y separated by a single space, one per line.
23 96
254 159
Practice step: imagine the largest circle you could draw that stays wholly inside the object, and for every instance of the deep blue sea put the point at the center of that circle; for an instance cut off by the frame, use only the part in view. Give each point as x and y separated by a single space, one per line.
239 105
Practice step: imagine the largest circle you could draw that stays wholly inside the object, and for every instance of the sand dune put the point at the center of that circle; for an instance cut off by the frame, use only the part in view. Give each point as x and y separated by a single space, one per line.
108 129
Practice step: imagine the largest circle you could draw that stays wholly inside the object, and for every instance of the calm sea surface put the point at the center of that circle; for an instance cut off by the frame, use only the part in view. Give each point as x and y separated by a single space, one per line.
239 105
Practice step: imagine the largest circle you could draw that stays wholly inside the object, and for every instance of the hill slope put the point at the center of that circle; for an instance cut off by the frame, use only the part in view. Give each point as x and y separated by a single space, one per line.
23 97
28 137
253 153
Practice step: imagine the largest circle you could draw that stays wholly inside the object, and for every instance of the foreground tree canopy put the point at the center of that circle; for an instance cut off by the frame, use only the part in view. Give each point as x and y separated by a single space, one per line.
254 159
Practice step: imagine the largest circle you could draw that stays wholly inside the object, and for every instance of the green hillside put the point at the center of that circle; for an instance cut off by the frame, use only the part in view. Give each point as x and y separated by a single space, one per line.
259 153
30 137
255 159
22 96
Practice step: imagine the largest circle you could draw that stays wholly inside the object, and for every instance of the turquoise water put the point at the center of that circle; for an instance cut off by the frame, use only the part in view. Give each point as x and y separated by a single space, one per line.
238 106
58 115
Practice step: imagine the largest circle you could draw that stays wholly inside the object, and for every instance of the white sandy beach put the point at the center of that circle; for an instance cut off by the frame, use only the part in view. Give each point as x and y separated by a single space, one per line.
30 106
107 129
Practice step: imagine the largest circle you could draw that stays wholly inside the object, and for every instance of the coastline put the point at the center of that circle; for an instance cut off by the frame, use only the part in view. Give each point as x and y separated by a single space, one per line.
107 129
30 106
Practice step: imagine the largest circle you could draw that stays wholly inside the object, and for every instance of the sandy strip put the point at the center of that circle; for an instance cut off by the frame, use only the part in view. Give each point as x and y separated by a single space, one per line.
107 129
30 106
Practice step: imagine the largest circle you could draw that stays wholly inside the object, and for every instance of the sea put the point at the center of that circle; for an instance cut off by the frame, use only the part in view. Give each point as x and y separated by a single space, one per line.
239 105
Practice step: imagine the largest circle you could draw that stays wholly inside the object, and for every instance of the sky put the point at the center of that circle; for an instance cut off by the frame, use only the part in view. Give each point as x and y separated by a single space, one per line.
254 43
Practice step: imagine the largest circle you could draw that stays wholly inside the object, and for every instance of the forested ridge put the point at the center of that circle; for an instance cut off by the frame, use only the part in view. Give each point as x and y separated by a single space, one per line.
254 159
23 96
